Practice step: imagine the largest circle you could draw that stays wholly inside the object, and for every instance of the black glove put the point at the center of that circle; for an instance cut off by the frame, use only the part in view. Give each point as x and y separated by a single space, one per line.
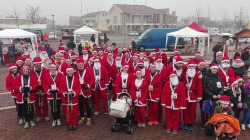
26 89
85 86
40 87
54 91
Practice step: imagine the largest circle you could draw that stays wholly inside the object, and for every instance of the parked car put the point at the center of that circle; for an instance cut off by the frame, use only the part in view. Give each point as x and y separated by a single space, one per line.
134 33
51 36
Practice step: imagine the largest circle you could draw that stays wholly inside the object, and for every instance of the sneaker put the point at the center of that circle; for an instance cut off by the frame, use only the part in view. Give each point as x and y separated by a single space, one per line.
156 123
143 125
139 124
186 127
58 122
168 131
81 121
96 113
20 122
88 122
175 132
190 128
26 125
38 119
32 124
248 126
243 127
150 123
54 123
106 113
46 119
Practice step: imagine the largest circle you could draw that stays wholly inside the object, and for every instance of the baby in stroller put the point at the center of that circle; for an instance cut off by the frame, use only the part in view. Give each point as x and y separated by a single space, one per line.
225 125
122 111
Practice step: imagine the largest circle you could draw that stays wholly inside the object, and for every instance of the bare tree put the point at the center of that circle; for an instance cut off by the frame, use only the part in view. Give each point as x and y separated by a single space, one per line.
198 14
33 13
241 17
14 13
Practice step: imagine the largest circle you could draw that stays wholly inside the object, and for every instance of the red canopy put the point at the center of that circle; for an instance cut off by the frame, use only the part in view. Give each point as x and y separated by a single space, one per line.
197 27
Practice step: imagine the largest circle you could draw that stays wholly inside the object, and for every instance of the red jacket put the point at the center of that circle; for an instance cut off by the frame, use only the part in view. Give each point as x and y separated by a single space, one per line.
62 66
225 76
48 81
43 72
18 84
88 78
121 85
143 91
195 90
9 84
168 101
63 90
103 77
86 57
132 67
170 69
113 72
156 82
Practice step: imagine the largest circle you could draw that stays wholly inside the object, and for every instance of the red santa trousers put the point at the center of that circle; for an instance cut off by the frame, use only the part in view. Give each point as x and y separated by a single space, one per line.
173 119
100 94
41 105
140 114
153 111
71 114
189 113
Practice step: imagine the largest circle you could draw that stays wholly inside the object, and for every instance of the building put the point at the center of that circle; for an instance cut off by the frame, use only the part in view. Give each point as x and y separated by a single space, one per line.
125 18
184 22
97 20
10 20
75 21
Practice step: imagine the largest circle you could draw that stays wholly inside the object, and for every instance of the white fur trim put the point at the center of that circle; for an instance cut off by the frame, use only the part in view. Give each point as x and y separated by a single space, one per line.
163 104
182 107
12 67
214 67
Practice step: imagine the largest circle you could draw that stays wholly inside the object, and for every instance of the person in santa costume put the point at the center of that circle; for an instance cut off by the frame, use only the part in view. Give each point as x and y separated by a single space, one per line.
64 53
238 66
126 58
197 57
71 52
102 56
171 58
146 62
201 67
173 98
28 61
13 73
116 68
133 65
41 104
51 82
139 94
19 63
25 85
155 86
87 81
225 72
108 63
123 81
45 59
85 55
142 68
178 66
161 69
163 55
101 85
61 65
194 94
69 89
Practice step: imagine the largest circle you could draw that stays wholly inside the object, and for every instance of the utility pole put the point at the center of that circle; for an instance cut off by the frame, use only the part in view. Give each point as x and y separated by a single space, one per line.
54 27
208 15
134 2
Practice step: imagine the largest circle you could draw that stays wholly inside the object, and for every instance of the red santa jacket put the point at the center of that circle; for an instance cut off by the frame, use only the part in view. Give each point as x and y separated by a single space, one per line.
18 84
127 60
179 92
43 72
47 81
163 74
123 82
86 57
139 89
114 71
171 68
64 88
156 82
225 76
108 66
132 67
194 87
9 84
86 77
62 66
164 59
145 71
103 77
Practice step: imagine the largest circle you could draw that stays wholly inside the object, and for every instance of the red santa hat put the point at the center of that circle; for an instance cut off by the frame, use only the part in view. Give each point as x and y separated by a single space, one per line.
85 49
70 49
79 60
96 59
27 58
191 63
145 58
126 53
58 53
60 41
140 62
25 66
157 58
233 81
214 66
173 73
176 55
12 65
198 53
69 67
176 51
157 50
125 64
201 62
52 64
137 70
138 53
37 60
152 65
135 55
225 59
19 59
61 49
148 53
225 100
94 45
117 57
178 59
237 58
23 54
239 79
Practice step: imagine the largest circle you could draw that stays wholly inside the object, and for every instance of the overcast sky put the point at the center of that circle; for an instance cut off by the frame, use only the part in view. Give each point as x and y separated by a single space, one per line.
184 8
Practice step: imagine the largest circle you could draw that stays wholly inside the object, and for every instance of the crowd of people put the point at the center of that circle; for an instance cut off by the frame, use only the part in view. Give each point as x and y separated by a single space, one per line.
158 83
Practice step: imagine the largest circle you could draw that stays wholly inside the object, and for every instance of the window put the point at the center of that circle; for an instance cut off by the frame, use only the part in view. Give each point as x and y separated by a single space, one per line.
107 21
147 37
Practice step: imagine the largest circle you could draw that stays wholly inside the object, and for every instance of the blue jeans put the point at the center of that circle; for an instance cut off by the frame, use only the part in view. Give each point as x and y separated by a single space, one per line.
246 117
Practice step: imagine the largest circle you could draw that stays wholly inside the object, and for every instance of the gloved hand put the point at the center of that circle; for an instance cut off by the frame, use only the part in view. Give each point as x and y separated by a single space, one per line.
40 87
26 89
240 105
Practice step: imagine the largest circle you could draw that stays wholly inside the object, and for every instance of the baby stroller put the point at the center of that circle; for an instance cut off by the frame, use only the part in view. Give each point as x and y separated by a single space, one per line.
208 109
225 126
123 111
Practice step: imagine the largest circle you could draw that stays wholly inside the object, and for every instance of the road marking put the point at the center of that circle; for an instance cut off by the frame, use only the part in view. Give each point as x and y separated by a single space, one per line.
4 93
9 107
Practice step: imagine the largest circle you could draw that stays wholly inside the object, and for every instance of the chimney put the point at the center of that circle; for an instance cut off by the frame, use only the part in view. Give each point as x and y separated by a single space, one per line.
173 13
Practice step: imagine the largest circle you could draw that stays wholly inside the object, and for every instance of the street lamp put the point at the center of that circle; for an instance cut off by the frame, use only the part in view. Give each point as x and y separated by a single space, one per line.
54 27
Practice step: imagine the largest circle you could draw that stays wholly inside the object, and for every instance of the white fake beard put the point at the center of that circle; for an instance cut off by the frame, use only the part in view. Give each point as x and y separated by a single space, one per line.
159 66
224 66
97 65
191 72
146 64
174 81
118 63
178 72
174 61
43 56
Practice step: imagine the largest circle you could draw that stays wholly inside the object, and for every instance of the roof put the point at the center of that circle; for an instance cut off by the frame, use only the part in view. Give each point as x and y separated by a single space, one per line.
16 33
85 30
187 32
93 14
139 9
197 27
245 33
24 26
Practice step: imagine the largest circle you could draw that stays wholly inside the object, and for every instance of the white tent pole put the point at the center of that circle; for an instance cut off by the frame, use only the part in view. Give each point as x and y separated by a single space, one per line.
176 41
166 43
208 43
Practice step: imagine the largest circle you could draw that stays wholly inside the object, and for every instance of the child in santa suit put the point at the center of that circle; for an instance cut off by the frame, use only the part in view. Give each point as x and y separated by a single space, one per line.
154 88
174 99
194 94
69 89
139 94
51 82
25 85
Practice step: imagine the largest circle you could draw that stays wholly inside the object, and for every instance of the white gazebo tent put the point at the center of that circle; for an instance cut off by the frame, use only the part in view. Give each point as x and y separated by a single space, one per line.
85 30
188 33
19 33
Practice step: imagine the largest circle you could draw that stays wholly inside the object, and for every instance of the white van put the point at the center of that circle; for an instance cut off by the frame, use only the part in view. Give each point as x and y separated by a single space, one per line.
213 31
